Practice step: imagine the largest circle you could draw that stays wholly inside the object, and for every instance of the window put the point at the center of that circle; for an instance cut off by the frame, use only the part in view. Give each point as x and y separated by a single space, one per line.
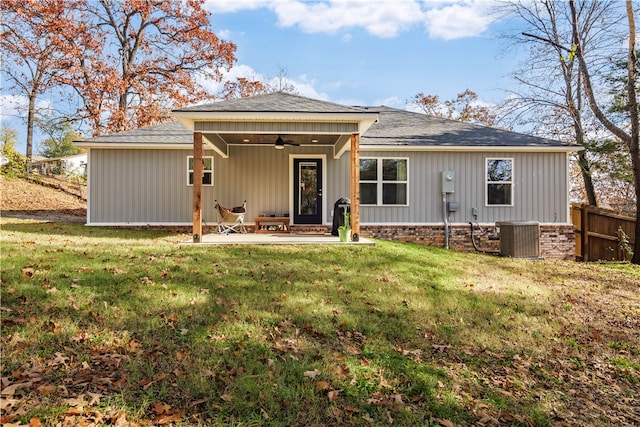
499 176
383 181
207 171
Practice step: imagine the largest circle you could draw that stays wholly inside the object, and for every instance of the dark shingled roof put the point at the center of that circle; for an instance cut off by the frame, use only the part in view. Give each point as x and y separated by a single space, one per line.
172 132
395 127
276 102
400 127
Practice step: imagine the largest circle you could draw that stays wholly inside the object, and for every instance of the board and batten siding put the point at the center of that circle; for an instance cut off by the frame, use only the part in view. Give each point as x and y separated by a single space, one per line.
540 188
139 187
149 186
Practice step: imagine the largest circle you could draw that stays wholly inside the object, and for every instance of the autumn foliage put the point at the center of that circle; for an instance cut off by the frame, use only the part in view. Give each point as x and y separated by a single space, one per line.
120 64
465 108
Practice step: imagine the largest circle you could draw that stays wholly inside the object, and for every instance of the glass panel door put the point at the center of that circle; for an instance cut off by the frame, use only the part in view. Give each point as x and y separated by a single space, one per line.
307 187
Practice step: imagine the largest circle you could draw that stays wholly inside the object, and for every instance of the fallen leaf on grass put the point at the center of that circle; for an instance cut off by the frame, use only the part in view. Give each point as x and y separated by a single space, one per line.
333 395
28 273
8 403
35 422
46 389
342 370
445 423
312 374
95 398
322 385
11 390
160 408
170 418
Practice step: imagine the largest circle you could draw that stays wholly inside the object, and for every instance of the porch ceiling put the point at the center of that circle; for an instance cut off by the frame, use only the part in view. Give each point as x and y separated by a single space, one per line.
270 139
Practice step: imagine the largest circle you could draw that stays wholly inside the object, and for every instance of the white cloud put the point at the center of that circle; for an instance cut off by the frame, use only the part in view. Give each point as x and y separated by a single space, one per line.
228 6
378 18
236 71
391 101
16 106
303 85
465 19
446 19
13 106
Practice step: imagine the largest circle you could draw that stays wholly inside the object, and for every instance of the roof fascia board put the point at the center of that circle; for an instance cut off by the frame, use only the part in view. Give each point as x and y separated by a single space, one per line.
492 148
134 145
188 117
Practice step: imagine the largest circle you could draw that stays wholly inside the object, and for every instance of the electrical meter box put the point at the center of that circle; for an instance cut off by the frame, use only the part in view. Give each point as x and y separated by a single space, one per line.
448 181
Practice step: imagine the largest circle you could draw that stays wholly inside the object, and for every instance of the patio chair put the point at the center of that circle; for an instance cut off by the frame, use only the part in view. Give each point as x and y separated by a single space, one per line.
231 220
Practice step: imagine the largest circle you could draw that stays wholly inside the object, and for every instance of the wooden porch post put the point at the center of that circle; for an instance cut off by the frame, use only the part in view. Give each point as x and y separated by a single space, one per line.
197 187
355 186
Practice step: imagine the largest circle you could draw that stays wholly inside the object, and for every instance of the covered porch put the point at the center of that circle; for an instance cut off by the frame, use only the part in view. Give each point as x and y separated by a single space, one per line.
312 133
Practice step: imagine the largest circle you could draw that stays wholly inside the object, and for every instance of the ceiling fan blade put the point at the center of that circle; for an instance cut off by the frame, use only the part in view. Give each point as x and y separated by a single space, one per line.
281 142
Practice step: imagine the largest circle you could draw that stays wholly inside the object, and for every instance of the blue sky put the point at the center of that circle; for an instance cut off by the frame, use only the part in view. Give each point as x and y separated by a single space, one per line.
370 52
359 52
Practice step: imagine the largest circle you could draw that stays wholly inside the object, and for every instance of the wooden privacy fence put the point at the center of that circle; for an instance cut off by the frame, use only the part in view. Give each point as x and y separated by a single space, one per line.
598 235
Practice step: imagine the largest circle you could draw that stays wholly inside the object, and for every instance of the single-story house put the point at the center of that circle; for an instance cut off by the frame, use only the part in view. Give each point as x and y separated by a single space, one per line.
408 176
75 165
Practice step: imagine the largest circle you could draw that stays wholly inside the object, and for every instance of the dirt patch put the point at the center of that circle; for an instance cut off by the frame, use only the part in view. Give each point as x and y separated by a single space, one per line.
43 198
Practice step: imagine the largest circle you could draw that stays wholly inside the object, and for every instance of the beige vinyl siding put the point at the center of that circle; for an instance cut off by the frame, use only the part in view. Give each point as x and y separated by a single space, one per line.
540 188
150 186
140 186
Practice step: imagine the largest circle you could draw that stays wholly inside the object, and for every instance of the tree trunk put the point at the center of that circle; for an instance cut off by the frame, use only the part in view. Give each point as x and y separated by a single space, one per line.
30 121
631 140
634 115
585 169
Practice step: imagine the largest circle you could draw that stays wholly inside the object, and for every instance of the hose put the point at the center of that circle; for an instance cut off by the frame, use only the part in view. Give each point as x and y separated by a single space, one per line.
475 245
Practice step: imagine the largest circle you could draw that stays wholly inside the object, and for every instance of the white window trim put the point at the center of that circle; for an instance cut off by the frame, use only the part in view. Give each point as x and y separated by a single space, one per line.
204 170
487 182
379 182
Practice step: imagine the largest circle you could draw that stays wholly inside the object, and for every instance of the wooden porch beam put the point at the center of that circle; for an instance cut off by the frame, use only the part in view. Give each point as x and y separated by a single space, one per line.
197 186
355 186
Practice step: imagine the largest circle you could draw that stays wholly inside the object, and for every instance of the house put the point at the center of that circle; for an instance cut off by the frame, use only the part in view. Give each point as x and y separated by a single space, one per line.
75 165
417 178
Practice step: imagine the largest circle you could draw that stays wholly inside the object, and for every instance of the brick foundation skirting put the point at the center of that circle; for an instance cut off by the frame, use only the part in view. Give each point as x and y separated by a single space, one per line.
557 241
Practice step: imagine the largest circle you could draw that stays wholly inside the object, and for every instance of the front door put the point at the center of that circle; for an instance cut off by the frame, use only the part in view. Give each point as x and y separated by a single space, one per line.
307 191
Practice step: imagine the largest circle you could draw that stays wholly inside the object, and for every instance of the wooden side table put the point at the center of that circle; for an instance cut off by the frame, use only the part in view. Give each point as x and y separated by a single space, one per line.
272 224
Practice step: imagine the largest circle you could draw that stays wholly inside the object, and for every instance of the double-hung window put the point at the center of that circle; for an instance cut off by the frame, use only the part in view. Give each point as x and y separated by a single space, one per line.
207 170
384 181
499 180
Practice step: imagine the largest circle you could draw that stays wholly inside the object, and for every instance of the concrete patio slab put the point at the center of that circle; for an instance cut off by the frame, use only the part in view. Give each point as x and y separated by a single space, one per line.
275 239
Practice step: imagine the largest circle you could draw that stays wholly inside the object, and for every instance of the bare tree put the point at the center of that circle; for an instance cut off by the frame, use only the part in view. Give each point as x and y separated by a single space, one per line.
629 131
551 99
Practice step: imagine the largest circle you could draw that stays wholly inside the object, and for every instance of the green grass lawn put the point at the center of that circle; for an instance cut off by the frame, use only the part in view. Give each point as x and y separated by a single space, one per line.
111 326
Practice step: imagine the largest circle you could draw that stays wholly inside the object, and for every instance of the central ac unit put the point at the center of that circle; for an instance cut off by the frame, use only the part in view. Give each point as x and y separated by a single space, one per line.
519 239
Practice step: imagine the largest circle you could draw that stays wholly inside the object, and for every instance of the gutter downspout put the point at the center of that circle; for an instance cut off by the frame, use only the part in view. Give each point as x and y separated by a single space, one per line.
445 215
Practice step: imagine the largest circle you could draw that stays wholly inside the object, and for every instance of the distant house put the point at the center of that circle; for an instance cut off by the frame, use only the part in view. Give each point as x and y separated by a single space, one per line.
414 176
75 165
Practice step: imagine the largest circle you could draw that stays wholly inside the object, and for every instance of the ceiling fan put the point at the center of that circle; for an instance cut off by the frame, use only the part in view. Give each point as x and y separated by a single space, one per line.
280 143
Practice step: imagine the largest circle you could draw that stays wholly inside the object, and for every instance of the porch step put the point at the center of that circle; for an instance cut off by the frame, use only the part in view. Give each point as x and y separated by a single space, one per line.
309 229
